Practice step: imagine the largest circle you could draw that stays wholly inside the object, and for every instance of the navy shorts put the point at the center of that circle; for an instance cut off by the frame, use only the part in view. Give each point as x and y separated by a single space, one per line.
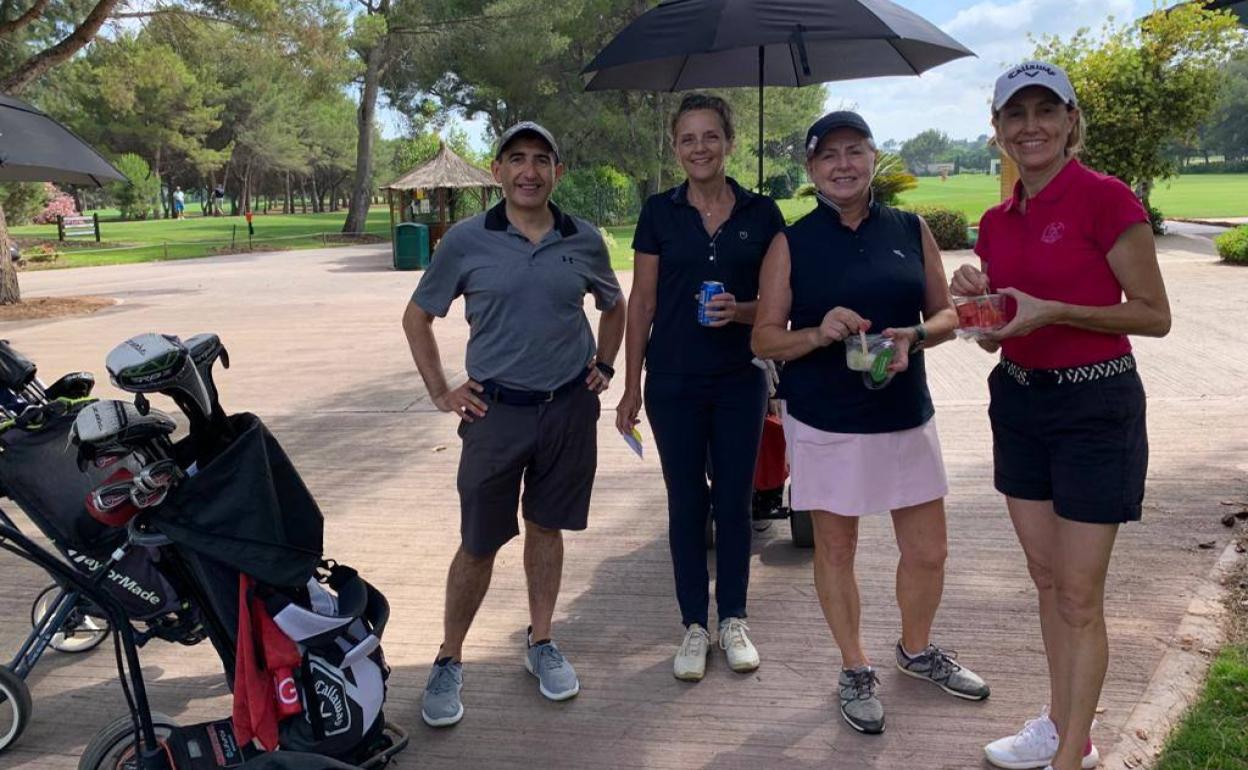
549 450
1082 445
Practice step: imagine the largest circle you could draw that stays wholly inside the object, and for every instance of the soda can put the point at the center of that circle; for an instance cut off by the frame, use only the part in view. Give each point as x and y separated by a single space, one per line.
709 289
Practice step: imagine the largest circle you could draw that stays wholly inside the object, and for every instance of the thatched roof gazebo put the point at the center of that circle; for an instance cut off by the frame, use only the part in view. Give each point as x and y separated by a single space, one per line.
435 188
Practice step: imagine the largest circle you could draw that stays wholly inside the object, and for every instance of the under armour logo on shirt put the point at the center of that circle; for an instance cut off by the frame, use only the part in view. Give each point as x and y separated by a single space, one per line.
744 235
1053 233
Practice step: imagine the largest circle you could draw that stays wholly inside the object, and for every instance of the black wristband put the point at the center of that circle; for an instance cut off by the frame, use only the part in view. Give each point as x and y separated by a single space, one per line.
920 338
605 368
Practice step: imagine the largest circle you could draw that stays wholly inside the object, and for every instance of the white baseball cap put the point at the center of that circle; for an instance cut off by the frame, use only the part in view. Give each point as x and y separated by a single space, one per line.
1033 73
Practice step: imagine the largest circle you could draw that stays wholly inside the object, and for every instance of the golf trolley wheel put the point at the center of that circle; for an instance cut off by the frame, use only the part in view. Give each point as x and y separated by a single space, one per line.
81 630
803 529
113 748
15 707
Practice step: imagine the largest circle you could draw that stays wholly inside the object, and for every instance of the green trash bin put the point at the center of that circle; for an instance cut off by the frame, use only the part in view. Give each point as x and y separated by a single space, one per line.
411 246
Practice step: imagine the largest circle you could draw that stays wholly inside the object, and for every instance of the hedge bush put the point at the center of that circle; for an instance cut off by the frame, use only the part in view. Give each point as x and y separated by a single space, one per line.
1156 220
1216 167
23 201
601 194
947 225
1233 245
139 195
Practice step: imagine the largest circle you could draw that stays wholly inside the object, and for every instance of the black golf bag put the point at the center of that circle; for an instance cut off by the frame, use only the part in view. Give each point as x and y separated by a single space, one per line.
39 471
245 511
248 511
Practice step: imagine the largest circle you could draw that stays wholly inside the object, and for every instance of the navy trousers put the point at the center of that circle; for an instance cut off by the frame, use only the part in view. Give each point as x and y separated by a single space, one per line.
696 419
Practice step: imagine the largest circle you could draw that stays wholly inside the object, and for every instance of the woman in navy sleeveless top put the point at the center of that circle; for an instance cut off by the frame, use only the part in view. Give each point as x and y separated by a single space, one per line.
860 444
704 398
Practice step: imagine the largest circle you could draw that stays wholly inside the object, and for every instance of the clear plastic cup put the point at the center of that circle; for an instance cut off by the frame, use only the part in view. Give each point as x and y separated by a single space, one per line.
873 359
979 314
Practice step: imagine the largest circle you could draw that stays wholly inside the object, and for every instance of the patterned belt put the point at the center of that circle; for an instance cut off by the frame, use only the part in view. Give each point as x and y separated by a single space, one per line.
1074 374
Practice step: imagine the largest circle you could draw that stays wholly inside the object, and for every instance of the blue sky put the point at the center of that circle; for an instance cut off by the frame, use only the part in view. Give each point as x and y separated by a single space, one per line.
953 98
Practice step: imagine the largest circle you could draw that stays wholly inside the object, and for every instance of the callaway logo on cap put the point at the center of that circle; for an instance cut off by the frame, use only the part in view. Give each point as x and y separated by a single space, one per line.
1033 73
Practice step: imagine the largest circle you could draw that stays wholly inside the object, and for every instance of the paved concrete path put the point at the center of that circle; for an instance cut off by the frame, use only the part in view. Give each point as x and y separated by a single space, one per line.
317 351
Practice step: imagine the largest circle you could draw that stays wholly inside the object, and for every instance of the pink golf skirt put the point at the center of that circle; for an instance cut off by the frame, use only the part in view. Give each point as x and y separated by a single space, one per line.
853 474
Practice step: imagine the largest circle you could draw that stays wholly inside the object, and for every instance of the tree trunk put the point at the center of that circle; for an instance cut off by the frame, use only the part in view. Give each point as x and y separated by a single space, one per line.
288 205
361 192
246 203
10 292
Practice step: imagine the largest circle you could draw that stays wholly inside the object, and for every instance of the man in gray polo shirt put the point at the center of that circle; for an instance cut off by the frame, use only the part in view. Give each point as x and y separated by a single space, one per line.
529 409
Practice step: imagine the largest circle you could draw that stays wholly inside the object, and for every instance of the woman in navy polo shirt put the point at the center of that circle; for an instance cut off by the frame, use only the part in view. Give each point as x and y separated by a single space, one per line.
1067 406
849 267
703 396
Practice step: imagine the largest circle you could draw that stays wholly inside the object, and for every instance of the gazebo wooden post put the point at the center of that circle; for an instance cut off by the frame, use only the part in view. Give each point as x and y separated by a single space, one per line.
442 208
390 205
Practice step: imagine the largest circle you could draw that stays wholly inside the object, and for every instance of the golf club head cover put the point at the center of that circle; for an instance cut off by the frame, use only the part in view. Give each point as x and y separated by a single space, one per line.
205 349
157 363
108 424
16 370
74 385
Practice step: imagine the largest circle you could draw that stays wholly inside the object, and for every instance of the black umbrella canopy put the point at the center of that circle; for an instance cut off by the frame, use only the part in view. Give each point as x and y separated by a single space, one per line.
683 44
36 148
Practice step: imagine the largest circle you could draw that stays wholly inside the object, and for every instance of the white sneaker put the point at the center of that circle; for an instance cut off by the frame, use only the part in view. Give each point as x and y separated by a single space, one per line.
690 664
742 656
1032 747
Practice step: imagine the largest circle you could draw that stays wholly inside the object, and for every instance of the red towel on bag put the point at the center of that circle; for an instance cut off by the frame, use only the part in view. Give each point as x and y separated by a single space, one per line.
265 660
773 467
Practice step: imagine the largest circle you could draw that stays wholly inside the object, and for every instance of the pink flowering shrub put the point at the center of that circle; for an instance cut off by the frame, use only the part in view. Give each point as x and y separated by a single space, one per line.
61 204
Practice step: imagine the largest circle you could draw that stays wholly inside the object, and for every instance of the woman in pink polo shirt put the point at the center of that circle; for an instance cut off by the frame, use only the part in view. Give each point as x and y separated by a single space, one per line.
1074 251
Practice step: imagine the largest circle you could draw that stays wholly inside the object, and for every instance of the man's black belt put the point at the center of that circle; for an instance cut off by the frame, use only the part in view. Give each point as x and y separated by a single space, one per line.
512 397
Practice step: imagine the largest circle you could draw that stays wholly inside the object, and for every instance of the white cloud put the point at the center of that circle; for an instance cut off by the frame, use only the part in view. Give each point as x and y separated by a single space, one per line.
954 98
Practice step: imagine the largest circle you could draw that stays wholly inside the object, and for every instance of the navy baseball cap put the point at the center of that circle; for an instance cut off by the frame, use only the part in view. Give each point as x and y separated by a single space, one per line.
831 122
526 128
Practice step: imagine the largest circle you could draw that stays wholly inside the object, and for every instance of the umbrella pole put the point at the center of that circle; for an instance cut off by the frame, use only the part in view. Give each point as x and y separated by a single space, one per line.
761 55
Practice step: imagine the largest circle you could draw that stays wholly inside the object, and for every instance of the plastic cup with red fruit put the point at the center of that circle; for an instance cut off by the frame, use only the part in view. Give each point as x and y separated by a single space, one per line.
980 314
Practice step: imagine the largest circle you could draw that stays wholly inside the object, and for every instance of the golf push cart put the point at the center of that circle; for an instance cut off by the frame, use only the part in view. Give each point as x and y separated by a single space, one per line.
213 536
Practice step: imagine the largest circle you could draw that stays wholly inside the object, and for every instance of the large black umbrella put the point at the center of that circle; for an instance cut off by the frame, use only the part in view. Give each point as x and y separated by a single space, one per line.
36 148
684 44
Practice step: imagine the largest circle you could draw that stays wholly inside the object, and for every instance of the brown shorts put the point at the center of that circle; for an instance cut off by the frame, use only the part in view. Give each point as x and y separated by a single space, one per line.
550 450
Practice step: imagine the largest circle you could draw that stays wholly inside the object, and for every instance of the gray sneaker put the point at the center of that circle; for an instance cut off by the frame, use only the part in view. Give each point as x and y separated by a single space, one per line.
859 705
942 668
555 676
441 706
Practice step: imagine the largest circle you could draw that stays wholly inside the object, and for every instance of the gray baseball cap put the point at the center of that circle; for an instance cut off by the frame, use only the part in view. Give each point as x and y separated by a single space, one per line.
1033 73
525 128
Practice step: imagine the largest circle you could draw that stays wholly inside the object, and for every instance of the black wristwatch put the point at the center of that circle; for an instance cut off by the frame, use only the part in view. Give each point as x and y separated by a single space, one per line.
920 337
606 369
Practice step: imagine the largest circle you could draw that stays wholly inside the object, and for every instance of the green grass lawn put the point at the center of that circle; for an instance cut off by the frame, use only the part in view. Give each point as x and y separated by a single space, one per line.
1197 195
1214 734
198 236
